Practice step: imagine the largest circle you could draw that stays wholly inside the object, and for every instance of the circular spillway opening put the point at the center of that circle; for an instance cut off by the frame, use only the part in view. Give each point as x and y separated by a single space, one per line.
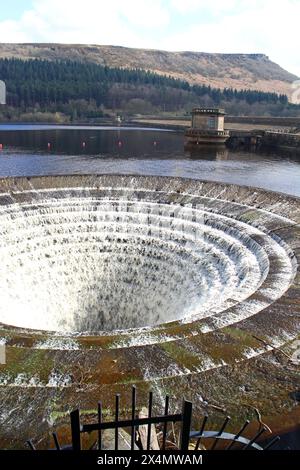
90 261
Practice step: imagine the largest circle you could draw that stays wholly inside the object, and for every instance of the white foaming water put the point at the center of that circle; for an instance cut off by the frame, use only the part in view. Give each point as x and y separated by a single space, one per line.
77 263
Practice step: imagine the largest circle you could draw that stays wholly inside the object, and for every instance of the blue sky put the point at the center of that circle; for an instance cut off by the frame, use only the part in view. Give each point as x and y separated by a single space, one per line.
13 9
264 26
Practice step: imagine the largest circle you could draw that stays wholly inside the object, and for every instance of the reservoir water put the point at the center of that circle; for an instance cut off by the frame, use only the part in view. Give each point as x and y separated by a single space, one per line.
29 150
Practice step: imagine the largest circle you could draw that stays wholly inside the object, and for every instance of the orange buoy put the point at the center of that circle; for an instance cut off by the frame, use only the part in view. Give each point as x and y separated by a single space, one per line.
49 145
1 146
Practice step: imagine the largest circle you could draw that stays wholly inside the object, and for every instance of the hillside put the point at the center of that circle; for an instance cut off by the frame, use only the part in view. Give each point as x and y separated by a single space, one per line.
238 71
76 90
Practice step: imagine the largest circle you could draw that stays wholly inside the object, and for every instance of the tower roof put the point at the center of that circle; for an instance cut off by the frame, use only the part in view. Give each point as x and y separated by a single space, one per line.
215 111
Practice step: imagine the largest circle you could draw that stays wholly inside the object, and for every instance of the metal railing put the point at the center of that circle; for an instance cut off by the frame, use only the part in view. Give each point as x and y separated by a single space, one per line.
184 418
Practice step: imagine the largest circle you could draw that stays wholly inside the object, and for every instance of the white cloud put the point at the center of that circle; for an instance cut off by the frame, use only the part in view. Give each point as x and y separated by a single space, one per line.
10 31
213 6
91 21
265 26
146 14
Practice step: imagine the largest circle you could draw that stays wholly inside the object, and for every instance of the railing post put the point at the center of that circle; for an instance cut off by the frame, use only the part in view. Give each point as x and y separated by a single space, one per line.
75 427
117 421
133 407
186 425
99 422
56 441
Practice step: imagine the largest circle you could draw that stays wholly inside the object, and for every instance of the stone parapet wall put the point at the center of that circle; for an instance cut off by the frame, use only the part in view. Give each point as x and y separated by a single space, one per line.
277 139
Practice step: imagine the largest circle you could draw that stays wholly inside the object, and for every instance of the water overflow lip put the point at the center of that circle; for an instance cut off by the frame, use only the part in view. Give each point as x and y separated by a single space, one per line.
184 276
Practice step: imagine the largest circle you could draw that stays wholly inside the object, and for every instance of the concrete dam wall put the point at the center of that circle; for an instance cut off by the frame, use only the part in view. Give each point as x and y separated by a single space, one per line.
275 139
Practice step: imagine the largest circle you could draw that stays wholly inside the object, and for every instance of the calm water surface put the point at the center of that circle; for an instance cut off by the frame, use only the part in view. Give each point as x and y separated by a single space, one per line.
84 149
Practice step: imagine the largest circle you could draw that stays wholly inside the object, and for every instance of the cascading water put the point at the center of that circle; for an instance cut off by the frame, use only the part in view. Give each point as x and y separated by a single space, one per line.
81 260
179 286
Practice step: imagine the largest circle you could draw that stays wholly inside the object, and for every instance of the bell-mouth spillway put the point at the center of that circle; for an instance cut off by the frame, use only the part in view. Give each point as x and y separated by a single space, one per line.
141 280
93 258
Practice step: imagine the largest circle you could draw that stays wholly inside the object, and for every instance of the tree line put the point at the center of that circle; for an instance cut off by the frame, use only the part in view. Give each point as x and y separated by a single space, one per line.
87 90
